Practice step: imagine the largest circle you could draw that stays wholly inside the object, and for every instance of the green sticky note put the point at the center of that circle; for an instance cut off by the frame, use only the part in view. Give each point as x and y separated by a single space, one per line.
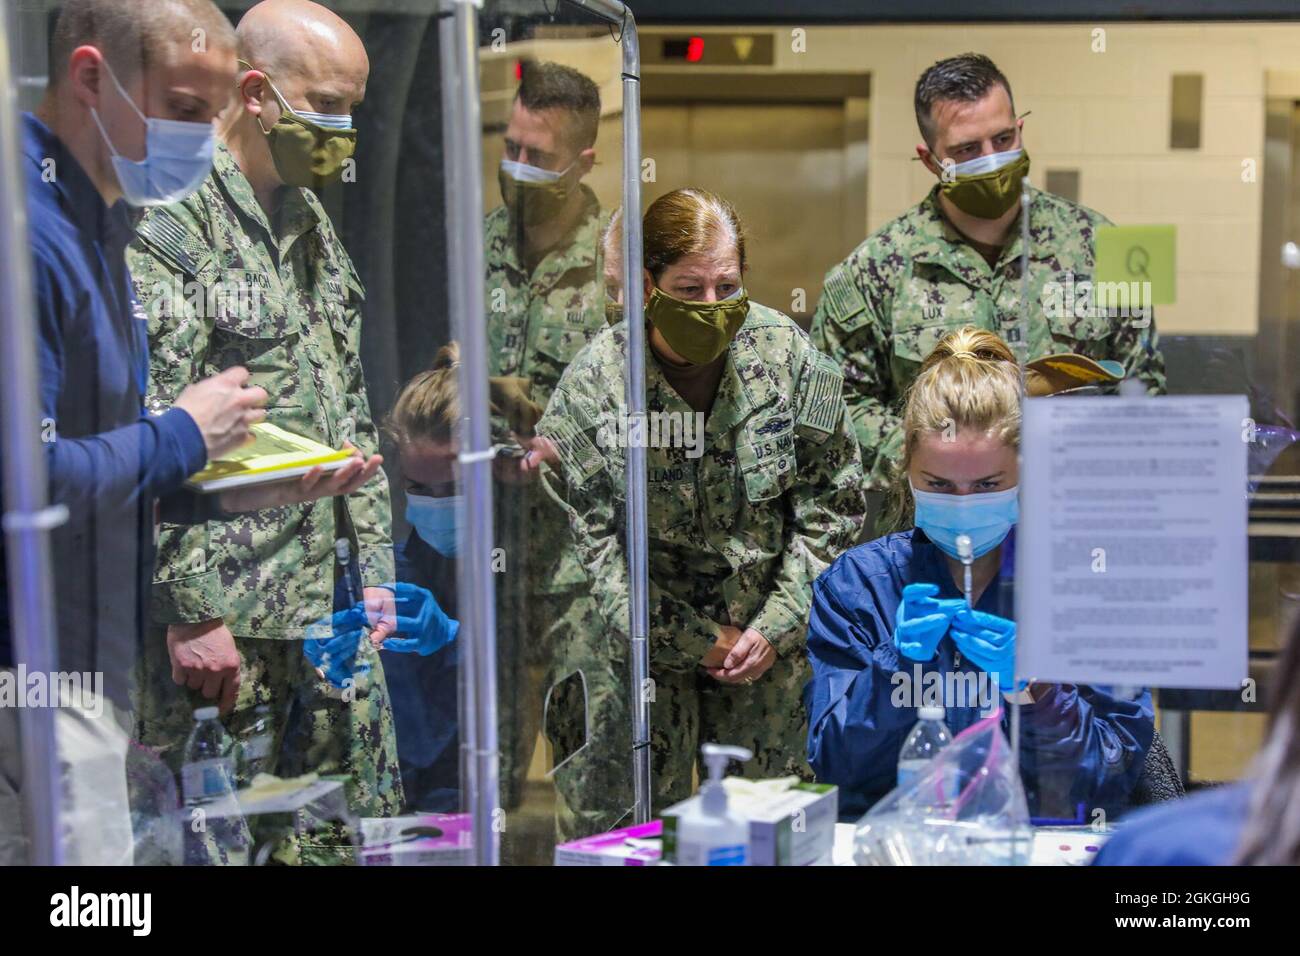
1138 254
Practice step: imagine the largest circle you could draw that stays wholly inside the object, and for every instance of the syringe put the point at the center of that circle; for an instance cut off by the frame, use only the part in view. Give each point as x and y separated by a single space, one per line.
343 554
352 583
967 554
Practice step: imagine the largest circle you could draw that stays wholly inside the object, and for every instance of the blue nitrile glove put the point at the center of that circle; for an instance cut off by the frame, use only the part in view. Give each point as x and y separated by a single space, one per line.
332 645
422 620
922 620
989 641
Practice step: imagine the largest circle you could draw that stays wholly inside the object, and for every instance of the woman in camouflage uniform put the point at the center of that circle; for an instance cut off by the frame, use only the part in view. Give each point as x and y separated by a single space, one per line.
754 486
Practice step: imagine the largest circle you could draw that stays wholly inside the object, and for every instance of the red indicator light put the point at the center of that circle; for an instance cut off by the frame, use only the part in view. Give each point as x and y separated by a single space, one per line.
519 71
695 50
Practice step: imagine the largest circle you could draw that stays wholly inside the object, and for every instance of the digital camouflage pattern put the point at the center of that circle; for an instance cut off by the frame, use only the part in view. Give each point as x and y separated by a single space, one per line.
223 286
537 322
315 728
736 535
885 308
523 621
691 709
538 319
588 722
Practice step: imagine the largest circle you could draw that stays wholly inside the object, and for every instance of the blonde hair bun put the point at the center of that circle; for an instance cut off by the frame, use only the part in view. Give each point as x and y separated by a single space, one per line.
970 382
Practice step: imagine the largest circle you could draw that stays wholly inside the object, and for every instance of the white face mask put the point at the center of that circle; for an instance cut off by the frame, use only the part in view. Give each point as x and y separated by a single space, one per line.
178 157
329 120
340 121
524 173
988 163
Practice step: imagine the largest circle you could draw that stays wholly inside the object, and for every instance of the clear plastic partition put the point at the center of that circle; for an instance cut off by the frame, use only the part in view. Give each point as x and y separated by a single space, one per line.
1106 568
968 458
551 113
251 381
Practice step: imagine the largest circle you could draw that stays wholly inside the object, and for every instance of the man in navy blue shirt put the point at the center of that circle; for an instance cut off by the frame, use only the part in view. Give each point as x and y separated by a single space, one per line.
128 116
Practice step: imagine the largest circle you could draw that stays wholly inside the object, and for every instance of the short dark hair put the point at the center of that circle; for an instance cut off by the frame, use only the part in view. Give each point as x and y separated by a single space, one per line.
967 78
128 32
547 86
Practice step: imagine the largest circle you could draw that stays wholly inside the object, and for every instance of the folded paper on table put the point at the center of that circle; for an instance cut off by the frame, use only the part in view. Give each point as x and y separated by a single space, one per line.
273 455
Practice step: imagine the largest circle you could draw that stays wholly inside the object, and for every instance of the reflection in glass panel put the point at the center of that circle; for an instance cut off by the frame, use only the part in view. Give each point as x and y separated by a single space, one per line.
280 675
552 114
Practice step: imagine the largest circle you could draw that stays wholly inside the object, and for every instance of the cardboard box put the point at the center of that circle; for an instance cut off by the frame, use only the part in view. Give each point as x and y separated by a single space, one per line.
427 839
788 826
630 846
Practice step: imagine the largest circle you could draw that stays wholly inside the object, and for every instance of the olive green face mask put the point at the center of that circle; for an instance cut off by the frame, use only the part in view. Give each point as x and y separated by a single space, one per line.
535 196
613 312
305 152
697 331
988 193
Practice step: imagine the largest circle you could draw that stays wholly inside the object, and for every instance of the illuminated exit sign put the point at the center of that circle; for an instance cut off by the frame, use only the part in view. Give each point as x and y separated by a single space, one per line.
710 49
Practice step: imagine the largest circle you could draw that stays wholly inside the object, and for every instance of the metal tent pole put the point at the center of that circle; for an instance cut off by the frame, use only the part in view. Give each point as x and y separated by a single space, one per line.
27 519
455 266
476 585
620 16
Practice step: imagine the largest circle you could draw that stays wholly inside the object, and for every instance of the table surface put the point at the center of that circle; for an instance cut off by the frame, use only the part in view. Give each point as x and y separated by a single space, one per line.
1053 846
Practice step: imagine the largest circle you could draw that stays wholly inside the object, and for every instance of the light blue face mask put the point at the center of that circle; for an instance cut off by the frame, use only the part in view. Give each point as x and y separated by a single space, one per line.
436 521
985 518
178 157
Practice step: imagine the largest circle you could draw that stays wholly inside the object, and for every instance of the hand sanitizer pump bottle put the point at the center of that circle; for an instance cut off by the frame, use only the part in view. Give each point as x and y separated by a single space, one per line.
707 834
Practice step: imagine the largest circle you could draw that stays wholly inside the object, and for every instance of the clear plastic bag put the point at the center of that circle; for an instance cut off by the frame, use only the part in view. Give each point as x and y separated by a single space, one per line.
967 808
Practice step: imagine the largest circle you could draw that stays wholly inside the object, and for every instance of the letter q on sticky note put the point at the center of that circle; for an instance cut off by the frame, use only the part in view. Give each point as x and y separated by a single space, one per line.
1138 254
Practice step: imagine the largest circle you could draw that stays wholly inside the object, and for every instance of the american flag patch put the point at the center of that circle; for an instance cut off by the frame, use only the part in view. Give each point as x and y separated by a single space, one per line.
165 233
842 294
579 456
823 399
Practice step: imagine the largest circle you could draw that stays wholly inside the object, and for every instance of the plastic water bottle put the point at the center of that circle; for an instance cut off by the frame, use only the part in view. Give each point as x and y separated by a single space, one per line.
255 752
927 738
209 770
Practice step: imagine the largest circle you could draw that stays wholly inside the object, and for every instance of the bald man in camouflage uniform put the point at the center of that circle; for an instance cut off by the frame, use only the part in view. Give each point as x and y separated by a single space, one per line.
885 307
545 301
233 277
736 535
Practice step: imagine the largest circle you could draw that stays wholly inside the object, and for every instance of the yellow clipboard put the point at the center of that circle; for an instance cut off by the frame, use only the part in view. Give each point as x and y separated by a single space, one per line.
273 455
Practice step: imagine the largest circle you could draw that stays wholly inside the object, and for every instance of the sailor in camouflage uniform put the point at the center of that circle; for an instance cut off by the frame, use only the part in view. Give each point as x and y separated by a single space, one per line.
954 260
544 302
249 271
740 521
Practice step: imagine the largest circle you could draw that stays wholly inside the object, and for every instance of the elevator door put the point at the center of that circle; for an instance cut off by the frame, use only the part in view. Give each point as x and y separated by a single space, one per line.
785 167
